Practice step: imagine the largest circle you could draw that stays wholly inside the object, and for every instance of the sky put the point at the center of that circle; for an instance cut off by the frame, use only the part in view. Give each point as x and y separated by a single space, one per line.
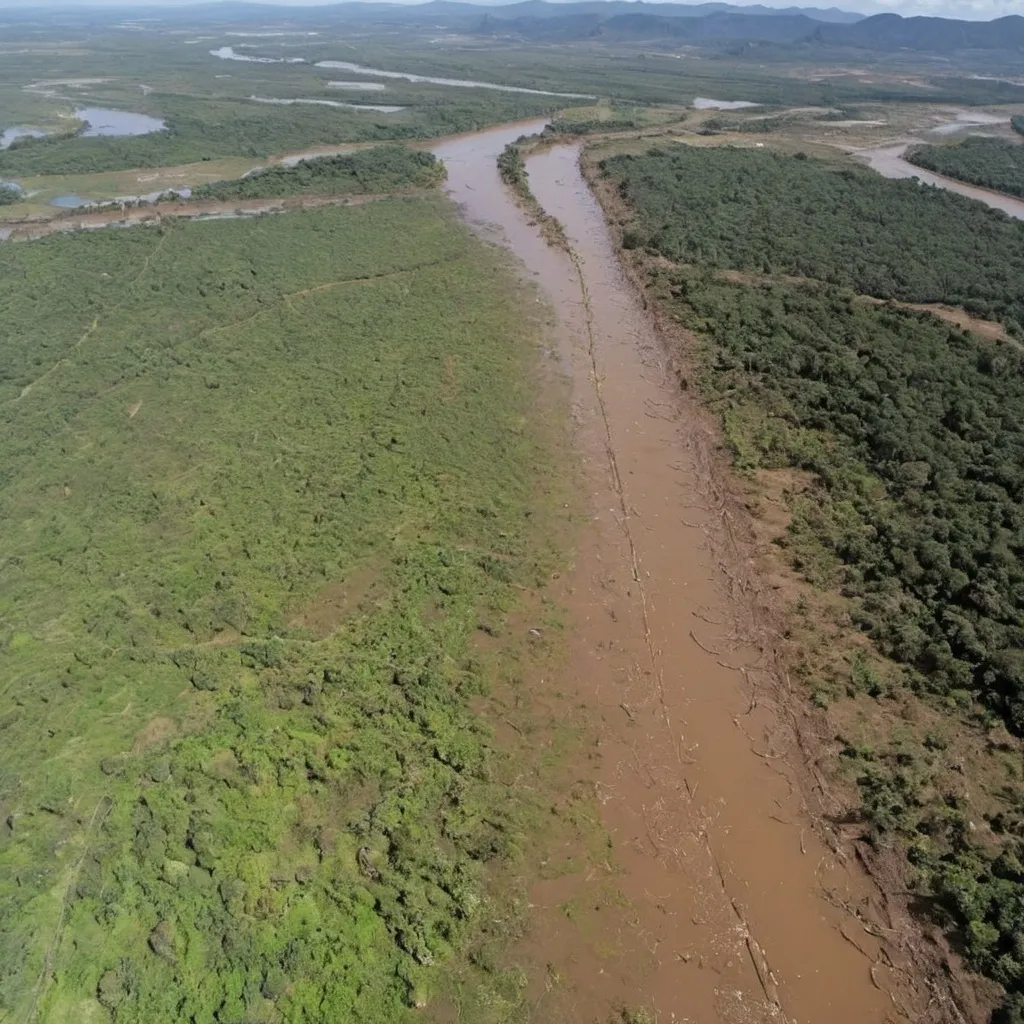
975 10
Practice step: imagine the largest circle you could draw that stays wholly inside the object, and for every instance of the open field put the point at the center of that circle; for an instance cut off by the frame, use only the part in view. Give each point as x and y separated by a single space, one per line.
111 184
263 482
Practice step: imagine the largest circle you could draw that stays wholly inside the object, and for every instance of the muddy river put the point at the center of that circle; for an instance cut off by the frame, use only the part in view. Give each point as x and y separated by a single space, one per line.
888 161
734 894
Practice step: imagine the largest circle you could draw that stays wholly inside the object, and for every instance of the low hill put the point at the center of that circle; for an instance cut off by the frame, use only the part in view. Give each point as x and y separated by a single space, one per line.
713 28
605 9
890 32
808 29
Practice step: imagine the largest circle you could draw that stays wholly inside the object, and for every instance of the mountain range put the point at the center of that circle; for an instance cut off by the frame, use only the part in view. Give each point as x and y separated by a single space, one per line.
708 24
809 30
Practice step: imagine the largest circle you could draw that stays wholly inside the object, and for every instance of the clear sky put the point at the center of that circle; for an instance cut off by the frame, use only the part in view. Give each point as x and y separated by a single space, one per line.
973 9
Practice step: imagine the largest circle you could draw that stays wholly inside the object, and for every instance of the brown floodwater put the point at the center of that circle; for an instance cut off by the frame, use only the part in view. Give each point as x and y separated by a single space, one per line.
888 161
734 895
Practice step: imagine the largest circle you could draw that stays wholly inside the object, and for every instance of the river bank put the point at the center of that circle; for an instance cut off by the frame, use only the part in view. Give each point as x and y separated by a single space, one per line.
888 161
743 907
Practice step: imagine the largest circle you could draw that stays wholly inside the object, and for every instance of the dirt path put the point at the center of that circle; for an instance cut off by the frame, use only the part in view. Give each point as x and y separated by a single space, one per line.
154 213
741 909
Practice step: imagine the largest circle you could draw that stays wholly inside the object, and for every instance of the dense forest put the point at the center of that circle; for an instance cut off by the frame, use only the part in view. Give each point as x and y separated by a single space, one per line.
379 169
760 211
991 163
914 434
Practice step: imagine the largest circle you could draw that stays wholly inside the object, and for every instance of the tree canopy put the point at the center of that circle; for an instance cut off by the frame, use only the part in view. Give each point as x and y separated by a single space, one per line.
991 163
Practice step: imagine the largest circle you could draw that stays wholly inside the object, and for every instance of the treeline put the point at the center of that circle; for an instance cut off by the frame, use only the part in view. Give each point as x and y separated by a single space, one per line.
593 126
512 167
991 163
379 169
914 434
746 126
761 211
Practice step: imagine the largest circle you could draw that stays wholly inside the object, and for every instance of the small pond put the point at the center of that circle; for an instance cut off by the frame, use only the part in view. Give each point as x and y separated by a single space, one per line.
8 135
69 202
704 103
103 121
357 86
462 83
969 119
229 53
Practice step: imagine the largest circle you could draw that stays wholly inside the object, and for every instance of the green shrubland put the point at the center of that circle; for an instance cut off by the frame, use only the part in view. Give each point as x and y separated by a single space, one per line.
210 127
262 482
378 169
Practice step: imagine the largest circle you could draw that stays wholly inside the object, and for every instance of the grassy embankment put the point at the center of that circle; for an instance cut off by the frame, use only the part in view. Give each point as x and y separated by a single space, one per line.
991 163
264 483
906 508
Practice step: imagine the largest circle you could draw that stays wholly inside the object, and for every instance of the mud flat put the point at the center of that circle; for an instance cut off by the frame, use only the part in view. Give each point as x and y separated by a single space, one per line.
742 906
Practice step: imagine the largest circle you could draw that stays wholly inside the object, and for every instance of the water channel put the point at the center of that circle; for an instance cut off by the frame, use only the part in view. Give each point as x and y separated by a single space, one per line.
889 162
461 83
717 855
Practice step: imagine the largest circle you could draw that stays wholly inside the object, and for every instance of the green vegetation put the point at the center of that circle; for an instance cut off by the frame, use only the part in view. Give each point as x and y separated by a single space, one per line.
746 126
990 163
617 121
213 127
9 194
1017 124
512 171
512 166
263 483
366 171
913 432
768 213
